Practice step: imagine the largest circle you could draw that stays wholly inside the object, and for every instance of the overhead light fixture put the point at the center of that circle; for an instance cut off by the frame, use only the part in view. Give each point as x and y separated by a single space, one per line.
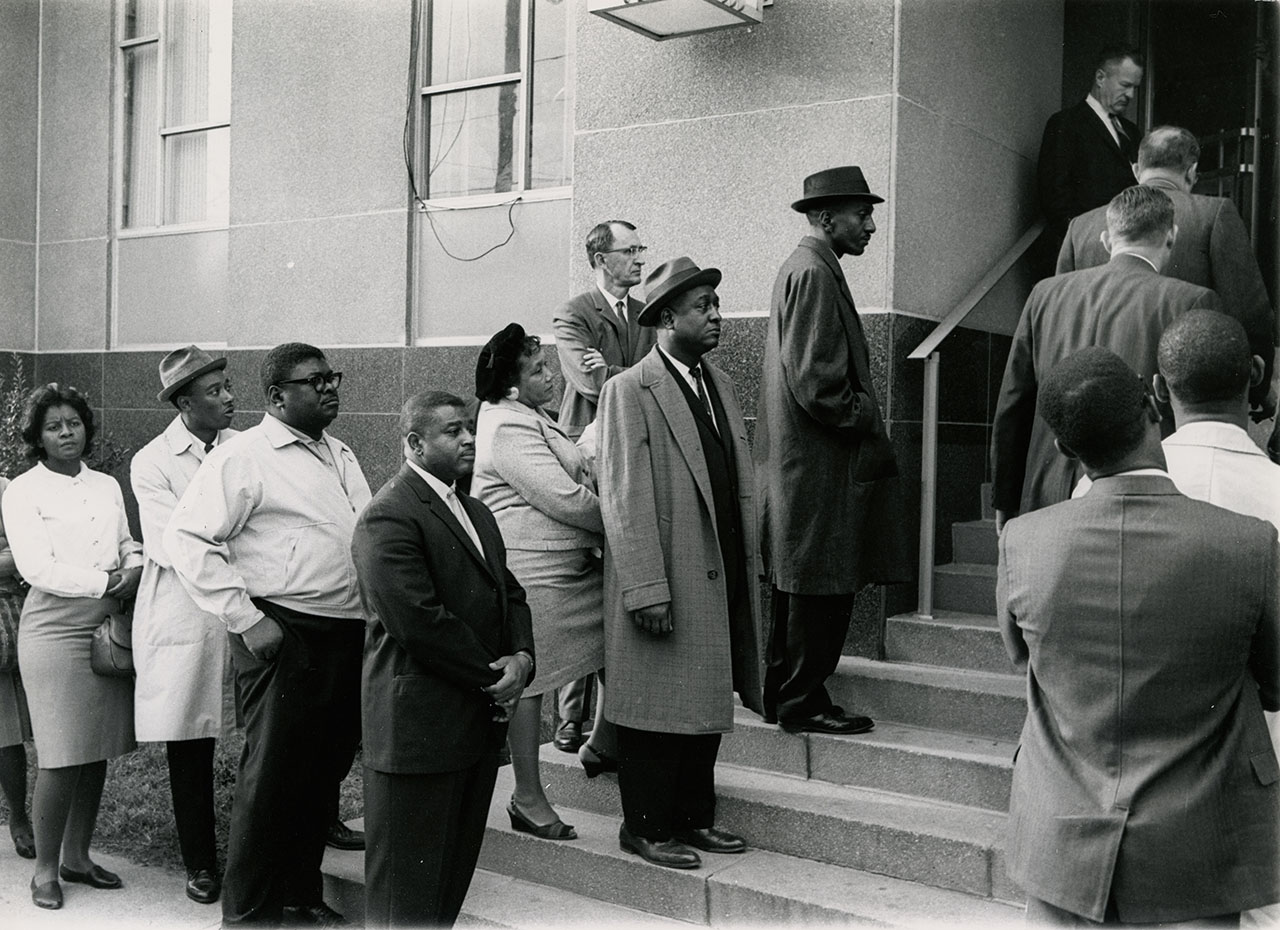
668 19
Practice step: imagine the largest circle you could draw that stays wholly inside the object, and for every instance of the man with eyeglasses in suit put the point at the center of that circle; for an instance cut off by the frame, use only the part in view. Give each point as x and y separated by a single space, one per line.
262 539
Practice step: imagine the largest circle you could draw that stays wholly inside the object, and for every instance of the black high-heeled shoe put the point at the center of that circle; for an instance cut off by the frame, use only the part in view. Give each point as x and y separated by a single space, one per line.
557 830
594 761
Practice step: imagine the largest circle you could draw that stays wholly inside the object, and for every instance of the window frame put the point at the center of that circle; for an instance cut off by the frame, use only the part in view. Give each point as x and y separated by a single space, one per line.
123 46
524 118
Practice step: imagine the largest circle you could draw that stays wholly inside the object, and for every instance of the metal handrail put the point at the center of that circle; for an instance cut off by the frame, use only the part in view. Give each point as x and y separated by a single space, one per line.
928 350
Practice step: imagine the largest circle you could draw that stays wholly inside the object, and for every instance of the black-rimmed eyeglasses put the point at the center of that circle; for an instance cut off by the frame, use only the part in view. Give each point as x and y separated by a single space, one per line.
317 381
631 251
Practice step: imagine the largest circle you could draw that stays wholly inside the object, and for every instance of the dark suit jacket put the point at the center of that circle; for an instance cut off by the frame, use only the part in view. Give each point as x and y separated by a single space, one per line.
585 323
1212 250
1148 626
1080 166
1124 306
438 615
820 429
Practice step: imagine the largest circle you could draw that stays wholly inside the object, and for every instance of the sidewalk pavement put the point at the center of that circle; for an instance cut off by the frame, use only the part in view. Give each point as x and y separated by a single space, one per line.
151 897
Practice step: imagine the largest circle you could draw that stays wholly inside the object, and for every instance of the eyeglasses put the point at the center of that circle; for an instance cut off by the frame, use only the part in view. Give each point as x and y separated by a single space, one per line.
318 381
632 251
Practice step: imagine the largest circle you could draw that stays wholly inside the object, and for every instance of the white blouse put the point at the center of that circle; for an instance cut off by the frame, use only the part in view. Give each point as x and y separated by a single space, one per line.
68 534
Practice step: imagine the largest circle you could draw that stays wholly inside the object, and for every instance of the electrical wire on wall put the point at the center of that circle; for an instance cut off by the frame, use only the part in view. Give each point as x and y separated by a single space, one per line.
407 146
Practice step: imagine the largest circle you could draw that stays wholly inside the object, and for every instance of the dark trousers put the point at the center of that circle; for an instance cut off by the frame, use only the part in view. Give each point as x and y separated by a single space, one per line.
574 700
423 836
808 638
191 784
667 781
1043 914
301 729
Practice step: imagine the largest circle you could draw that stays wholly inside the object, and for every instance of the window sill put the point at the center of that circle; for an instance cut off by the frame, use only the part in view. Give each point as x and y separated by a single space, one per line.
477 201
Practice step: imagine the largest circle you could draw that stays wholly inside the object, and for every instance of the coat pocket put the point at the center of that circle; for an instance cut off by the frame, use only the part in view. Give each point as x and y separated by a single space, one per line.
1265 767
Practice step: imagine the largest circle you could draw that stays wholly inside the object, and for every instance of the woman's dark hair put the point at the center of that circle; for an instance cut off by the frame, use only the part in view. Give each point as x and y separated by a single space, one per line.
498 367
38 403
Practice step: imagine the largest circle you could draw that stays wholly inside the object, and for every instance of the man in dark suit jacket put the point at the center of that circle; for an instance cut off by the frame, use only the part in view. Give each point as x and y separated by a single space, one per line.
1088 149
830 511
1212 248
1123 305
448 650
1145 787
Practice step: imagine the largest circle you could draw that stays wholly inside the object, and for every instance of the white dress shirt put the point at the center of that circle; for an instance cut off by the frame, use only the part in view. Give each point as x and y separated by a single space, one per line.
615 301
68 533
449 494
687 373
1103 115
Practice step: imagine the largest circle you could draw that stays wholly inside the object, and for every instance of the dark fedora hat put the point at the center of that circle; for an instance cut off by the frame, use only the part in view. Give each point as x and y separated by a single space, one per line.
835 184
182 366
669 280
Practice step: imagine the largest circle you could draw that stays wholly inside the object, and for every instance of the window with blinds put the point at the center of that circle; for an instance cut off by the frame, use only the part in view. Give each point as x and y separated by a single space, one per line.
174 99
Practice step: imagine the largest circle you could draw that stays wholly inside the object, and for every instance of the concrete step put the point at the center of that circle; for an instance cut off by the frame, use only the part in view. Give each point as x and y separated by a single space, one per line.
975 541
893 757
950 639
965 586
950 699
943 845
758 888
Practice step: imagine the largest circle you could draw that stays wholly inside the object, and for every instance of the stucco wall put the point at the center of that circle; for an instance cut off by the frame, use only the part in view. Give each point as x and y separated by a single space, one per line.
19 41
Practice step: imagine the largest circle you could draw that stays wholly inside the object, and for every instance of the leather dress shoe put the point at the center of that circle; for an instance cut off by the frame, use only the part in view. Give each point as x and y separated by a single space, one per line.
569 736
96 877
24 843
313 915
47 895
203 886
709 839
594 761
341 836
828 722
671 853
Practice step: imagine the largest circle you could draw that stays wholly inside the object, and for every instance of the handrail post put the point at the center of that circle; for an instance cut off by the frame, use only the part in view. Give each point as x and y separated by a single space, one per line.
928 484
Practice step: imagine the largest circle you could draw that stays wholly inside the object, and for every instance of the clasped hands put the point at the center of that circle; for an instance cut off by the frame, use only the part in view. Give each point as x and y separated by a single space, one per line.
506 691
123 582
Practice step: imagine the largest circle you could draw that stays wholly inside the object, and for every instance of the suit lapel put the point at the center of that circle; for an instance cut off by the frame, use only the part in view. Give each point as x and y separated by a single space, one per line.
1104 133
440 510
610 316
848 309
680 420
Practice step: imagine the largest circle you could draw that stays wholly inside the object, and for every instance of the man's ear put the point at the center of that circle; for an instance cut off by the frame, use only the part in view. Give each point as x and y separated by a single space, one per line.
1105 238
275 396
1257 368
1160 388
1192 176
1172 237
1063 448
1153 408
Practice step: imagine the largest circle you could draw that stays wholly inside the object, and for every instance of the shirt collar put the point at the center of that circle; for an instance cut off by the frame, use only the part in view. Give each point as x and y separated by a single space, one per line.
442 490
1216 434
1097 107
681 367
610 300
1140 471
282 434
1144 258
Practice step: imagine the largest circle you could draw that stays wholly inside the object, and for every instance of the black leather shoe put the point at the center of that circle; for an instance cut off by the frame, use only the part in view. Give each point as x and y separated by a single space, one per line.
569 736
594 761
48 895
96 877
671 853
203 886
828 722
341 836
709 839
556 830
313 915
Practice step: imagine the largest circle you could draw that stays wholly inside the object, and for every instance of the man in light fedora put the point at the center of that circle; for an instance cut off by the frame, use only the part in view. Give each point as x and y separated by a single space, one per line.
827 480
184 693
682 630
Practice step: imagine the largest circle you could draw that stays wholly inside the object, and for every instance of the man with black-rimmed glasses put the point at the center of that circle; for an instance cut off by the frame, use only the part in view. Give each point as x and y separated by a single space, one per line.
262 539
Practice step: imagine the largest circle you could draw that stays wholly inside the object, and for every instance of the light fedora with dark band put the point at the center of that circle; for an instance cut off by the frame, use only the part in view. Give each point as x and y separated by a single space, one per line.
835 184
668 281
182 366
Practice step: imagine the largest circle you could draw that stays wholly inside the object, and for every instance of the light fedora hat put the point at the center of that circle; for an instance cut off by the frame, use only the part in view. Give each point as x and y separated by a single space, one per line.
835 184
669 280
182 366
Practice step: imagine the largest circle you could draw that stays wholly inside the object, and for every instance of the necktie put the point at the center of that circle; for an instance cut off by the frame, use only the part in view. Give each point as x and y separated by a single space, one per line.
208 447
1120 133
696 371
456 506
620 309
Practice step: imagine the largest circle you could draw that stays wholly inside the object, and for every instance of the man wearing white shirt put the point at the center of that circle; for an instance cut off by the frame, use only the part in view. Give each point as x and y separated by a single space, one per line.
262 539
183 695
1123 305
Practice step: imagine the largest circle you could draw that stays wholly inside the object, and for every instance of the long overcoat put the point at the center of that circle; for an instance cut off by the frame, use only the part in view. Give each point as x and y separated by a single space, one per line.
831 502
184 688
659 518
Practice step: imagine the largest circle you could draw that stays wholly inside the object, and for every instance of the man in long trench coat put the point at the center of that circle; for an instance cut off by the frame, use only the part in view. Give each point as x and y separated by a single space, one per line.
682 627
831 508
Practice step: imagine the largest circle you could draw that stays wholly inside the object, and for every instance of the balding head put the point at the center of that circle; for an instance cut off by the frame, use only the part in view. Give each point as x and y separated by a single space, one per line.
1169 152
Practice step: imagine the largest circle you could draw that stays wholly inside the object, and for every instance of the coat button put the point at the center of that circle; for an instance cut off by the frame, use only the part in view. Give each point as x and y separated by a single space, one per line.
713 574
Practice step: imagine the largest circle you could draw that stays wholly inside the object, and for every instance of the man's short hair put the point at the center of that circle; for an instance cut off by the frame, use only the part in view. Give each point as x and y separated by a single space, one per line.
600 239
1140 214
1205 357
419 409
1096 405
1110 55
1170 147
280 362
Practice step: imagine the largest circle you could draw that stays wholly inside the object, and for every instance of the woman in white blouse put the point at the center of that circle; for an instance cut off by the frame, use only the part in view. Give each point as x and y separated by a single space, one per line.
70 539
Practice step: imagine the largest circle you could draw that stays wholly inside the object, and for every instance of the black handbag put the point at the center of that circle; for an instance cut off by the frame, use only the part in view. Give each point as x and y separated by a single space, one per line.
111 649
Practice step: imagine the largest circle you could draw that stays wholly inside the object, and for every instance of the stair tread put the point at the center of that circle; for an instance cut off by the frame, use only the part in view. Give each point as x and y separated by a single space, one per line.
1005 685
976 569
978 524
950 618
913 739
496 900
